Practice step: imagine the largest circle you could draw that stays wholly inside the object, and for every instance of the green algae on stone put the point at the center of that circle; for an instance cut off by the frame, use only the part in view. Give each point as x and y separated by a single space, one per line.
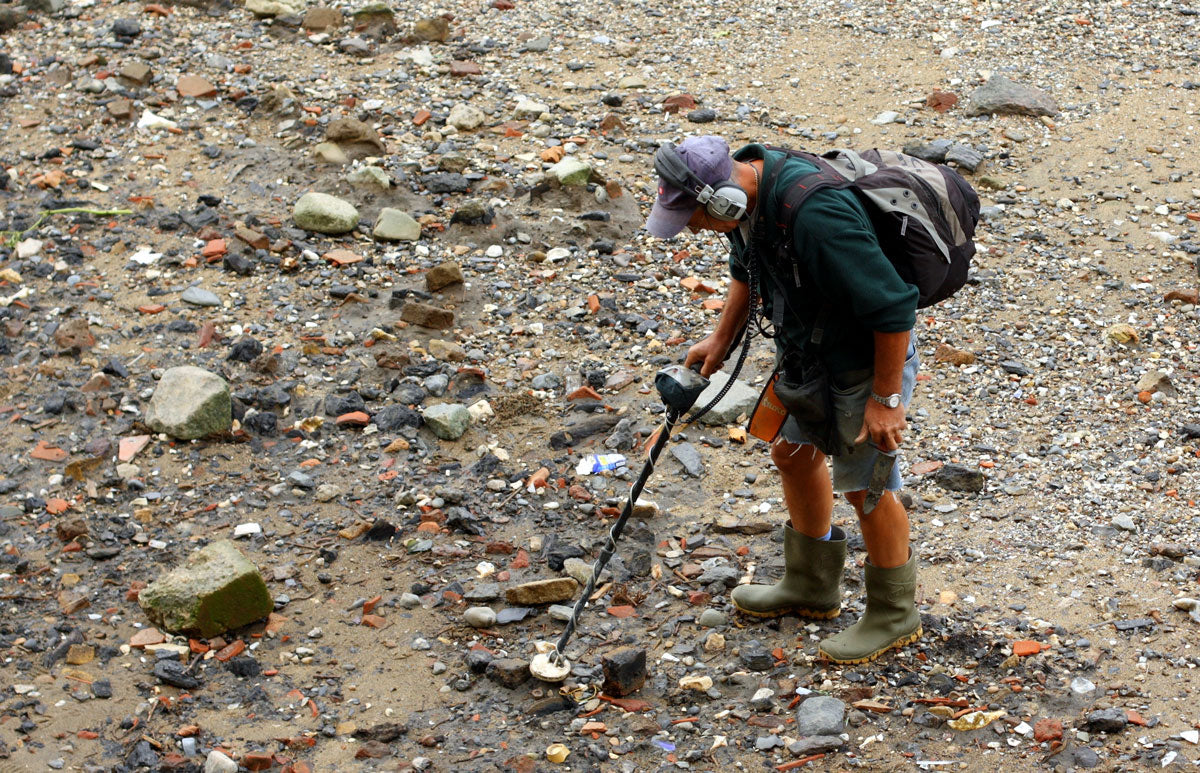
217 590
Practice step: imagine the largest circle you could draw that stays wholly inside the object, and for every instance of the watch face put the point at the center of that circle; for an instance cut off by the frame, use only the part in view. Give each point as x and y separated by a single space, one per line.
893 401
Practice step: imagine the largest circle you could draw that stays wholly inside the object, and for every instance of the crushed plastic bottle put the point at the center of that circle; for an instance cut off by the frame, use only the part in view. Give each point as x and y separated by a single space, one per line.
590 465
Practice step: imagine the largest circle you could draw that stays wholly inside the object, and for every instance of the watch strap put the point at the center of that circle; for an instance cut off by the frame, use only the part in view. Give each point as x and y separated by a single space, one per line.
891 401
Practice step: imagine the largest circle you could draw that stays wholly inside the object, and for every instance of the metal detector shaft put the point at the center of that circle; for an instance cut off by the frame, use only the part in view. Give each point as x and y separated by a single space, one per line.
610 547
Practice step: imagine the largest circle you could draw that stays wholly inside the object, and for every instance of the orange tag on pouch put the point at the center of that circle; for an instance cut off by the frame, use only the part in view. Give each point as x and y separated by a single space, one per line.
769 414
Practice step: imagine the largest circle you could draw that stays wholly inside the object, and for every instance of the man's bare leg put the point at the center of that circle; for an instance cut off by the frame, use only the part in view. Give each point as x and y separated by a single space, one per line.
884 529
807 490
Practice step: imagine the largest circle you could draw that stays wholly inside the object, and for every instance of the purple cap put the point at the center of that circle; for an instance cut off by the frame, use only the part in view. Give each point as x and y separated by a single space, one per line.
708 158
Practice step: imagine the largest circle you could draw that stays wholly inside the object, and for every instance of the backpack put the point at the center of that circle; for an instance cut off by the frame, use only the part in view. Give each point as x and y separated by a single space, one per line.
924 214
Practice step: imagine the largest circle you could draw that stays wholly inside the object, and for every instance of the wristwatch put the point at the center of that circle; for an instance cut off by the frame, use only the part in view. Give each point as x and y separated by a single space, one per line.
891 401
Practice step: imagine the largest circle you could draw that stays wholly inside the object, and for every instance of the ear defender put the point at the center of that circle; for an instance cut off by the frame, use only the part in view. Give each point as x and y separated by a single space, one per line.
724 200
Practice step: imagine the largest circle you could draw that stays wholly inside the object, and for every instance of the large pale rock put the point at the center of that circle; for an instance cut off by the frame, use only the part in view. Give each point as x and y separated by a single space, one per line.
190 403
571 171
527 109
449 421
325 214
465 117
217 590
820 715
740 399
395 225
1003 96
270 8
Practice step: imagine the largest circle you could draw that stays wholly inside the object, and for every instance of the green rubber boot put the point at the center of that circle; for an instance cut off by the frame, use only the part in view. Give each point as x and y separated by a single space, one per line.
811 583
891 620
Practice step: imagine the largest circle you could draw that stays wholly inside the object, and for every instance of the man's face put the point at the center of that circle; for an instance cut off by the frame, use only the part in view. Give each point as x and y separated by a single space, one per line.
702 221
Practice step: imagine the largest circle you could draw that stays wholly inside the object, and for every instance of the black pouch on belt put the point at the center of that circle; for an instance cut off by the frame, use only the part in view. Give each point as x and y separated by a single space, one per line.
804 387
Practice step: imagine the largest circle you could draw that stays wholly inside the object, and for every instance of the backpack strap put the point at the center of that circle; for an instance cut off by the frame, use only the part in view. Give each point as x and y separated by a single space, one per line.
818 329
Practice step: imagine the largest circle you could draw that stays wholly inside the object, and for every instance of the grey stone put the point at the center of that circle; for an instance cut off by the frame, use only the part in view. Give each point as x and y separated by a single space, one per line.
485 591
527 108
355 46
46 6
702 115
1124 523
470 212
934 152
508 672
559 612
218 589
198 296
820 715
965 157
175 673
740 400
325 214
480 617
394 417
370 177
763 699
537 45
436 384
578 569
725 575
458 162
624 670
449 421
394 225
300 480
817 744
756 658
446 182
546 381
688 455
1107 720
1003 96
189 403
957 477
1085 757
512 615
465 117
711 618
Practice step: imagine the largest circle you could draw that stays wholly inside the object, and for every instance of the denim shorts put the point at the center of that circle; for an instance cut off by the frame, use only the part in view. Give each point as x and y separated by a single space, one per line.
852 470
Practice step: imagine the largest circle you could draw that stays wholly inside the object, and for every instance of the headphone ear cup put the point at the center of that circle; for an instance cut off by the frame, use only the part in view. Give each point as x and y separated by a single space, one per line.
729 202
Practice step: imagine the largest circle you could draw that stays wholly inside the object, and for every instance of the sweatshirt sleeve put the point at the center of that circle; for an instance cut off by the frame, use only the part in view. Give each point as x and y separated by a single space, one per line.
844 259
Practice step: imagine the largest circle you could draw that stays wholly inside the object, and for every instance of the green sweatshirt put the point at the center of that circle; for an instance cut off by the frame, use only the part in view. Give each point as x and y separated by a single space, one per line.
841 264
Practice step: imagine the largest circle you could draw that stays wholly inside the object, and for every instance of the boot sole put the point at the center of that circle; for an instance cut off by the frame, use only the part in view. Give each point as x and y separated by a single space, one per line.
814 614
903 641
